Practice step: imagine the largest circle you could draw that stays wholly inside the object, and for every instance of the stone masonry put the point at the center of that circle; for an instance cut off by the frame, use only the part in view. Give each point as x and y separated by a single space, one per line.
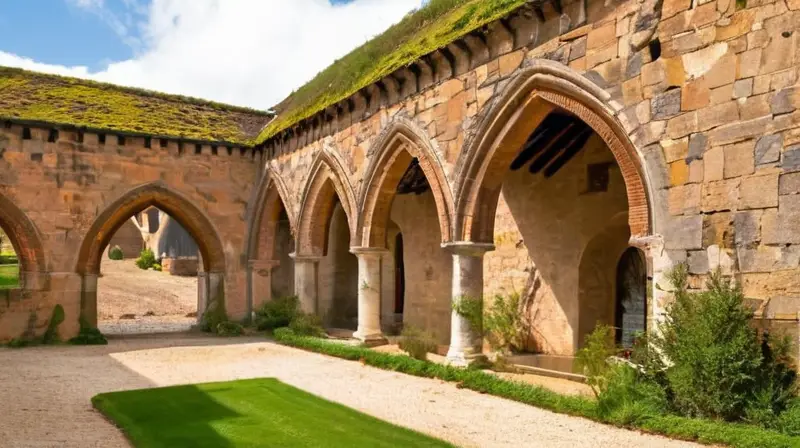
693 108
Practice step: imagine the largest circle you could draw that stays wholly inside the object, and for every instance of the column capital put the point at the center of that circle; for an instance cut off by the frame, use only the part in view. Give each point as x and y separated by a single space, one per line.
304 258
468 248
366 251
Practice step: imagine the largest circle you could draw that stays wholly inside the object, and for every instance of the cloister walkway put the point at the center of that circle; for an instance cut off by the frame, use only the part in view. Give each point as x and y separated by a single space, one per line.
46 393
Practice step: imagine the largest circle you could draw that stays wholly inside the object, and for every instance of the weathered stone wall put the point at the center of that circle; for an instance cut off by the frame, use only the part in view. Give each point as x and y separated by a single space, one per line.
707 97
63 186
183 266
338 276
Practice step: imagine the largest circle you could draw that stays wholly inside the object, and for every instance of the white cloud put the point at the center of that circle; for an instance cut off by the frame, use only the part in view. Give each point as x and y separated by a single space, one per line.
245 52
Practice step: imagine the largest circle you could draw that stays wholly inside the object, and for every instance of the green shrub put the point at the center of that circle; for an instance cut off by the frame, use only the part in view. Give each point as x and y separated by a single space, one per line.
625 399
146 259
157 267
416 343
88 335
704 431
592 359
307 325
504 325
51 334
720 367
116 253
229 328
213 315
277 313
470 308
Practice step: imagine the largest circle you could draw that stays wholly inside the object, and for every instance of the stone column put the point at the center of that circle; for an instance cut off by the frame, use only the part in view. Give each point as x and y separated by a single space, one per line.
259 277
659 262
369 294
466 342
305 281
89 299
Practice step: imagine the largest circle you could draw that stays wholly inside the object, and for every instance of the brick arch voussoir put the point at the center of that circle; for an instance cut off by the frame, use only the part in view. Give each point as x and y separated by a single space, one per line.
558 86
401 135
159 195
318 201
24 236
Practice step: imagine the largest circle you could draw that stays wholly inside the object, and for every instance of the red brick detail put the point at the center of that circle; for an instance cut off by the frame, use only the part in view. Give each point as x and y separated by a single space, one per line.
158 195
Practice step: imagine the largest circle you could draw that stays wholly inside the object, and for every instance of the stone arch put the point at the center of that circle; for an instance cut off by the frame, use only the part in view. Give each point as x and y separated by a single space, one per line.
327 180
395 148
526 100
25 239
157 194
271 196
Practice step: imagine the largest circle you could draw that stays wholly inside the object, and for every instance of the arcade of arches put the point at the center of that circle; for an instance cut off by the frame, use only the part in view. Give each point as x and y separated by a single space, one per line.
573 166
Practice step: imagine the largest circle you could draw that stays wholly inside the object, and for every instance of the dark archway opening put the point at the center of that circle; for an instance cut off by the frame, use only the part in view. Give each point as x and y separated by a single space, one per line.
399 276
631 298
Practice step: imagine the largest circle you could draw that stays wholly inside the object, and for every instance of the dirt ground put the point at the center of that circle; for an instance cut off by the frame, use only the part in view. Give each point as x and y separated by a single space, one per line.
46 394
132 300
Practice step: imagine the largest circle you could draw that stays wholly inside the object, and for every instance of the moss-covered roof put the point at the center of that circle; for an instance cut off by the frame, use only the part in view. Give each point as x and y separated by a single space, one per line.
39 97
431 27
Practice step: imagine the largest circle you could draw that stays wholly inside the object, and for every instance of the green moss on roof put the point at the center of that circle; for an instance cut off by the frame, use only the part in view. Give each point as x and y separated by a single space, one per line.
54 99
430 28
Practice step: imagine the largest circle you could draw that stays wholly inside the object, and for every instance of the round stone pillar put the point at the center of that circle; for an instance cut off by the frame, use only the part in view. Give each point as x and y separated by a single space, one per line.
369 294
305 281
466 342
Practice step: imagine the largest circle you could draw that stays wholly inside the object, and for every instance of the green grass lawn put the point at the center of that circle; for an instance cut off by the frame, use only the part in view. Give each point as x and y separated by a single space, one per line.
9 275
247 413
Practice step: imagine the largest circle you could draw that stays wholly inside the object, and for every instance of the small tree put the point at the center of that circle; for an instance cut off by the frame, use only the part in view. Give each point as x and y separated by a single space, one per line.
146 259
116 253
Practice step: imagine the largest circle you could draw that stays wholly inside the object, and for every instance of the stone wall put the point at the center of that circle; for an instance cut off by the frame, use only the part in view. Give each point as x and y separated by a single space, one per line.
183 266
65 186
705 95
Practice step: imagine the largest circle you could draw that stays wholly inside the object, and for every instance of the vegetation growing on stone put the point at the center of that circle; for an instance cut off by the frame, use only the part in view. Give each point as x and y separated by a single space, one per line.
431 27
32 96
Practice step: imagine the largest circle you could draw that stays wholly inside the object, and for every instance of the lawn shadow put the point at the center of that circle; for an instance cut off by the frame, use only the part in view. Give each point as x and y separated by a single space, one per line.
177 416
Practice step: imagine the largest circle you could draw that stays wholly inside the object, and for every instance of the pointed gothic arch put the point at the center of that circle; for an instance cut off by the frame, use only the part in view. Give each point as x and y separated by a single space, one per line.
399 143
526 100
327 180
159 195
25 239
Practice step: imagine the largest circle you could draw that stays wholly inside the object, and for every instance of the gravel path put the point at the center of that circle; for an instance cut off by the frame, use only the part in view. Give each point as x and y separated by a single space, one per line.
45 392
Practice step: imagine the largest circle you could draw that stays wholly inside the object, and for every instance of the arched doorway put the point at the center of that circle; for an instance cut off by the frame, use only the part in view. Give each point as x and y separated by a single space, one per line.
631 297
211 265
406 208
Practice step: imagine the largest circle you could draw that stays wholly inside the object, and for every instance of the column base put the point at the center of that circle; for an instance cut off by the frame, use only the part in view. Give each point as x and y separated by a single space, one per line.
371 339
459 358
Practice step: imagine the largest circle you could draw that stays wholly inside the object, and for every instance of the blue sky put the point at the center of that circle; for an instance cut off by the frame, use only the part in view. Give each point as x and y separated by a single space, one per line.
246 52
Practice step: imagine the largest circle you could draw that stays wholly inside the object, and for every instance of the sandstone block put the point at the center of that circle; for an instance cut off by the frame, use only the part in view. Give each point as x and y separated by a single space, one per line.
718 230
723 71
768 149
714 162
782 226
739 159
782 79
758 192
713 116
747 225
675 149
602 36
720 195
698 262
672 7
759 259
754 107
784 101
696 170
761 84
740 24
684 232
743 88
748 64
666 105
632 91
695 95
682 125
510 62
791 158
678 172
789 183
685 199
698 144
739 131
